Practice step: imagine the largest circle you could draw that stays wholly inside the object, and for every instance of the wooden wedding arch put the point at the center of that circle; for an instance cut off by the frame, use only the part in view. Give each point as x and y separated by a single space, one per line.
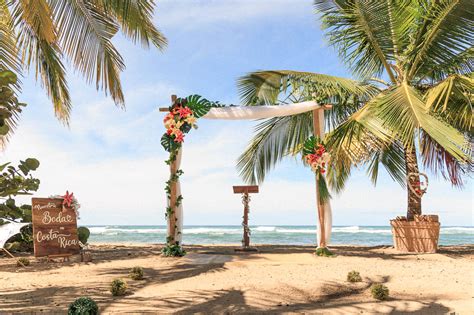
175 206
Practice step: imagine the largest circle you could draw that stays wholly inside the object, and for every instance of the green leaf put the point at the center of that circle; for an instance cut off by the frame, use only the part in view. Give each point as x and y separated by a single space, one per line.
403 111
323 191
200 106
32 164
168 143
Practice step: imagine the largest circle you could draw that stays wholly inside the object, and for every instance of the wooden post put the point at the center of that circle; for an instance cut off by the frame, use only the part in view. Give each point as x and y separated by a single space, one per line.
246 236
173 196
245 191
318 130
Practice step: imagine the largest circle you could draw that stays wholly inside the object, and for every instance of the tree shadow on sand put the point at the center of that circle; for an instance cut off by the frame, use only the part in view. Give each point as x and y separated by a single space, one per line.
334 297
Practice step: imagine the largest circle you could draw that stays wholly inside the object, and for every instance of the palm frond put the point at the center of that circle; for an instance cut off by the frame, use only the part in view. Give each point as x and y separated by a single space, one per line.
36 14
392 157
364 35
37 43
275 138
403 112
266 86
85 36
440 161
447 29
352 144
9 58
452 99
136 21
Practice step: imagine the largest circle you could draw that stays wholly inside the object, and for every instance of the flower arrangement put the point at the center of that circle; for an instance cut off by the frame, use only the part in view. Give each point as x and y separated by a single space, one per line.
316 156
69 201
181 118
179 121
318 160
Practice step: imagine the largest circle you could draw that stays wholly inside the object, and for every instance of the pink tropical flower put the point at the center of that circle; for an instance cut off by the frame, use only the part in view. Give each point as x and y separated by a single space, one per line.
184 112
179 137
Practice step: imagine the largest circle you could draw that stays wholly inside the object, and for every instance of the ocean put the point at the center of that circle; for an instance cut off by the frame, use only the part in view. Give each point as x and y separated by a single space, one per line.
292 235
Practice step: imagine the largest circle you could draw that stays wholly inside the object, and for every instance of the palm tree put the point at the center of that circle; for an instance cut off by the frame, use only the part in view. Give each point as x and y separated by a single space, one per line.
39 35
413 97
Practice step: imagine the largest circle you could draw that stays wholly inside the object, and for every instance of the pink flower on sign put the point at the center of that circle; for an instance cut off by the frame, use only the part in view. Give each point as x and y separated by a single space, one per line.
68 199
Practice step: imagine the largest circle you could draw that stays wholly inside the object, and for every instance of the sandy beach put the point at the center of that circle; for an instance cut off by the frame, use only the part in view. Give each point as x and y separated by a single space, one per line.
215 279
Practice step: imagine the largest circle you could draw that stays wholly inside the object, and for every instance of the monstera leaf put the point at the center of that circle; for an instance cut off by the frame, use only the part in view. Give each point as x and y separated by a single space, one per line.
199 105
168 143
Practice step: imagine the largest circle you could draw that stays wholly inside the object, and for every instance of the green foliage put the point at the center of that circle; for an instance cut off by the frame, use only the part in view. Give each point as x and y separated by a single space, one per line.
354 276
118 287
46 35
10 108
17 181
83 234
23 260
323 252
136 273
83 306
379 291
23 241
173 250
426 105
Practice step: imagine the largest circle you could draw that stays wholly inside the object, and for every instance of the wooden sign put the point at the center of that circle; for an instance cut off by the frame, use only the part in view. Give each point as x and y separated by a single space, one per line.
54 228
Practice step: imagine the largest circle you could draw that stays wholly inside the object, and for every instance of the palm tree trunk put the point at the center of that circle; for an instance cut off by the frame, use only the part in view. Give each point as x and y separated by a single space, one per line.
414 200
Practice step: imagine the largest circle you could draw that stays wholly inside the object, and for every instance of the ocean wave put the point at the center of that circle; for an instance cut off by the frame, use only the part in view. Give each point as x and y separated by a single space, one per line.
115 230
214 231
105 230
265 229
457 230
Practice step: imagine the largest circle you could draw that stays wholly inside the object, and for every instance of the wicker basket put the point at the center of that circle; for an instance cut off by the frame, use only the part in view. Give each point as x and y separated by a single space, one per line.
415 237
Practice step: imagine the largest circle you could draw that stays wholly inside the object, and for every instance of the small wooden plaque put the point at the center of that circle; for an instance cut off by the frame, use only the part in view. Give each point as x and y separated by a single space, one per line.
54 228
245 189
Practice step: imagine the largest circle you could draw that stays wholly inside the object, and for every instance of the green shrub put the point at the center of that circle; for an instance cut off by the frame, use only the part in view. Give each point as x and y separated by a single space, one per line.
83 234
118 287
83 306
136 273
323 252
174 250
354 276
379 291
23 260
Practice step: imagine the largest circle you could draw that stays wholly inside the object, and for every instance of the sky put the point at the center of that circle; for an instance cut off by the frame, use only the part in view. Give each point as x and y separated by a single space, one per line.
112 158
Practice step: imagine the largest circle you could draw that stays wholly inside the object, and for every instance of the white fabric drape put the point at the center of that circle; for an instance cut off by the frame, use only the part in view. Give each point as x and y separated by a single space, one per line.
252 113
327 224
259 112
8 230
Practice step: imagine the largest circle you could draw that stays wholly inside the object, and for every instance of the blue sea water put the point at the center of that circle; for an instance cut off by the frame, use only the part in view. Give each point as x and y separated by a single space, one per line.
294 235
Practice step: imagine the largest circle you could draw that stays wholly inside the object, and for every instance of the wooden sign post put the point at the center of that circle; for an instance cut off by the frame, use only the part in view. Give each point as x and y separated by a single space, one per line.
245 191
54 228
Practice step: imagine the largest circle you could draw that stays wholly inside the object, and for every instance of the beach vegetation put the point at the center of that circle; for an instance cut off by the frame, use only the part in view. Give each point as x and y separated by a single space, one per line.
44 36
118 287
15 181
323 252
136 273
379 291
83 234
22 260
83 306
410 99
354 276
173 250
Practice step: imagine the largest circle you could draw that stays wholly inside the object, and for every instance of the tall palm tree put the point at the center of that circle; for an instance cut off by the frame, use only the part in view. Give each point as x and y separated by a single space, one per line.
413 98
40 35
